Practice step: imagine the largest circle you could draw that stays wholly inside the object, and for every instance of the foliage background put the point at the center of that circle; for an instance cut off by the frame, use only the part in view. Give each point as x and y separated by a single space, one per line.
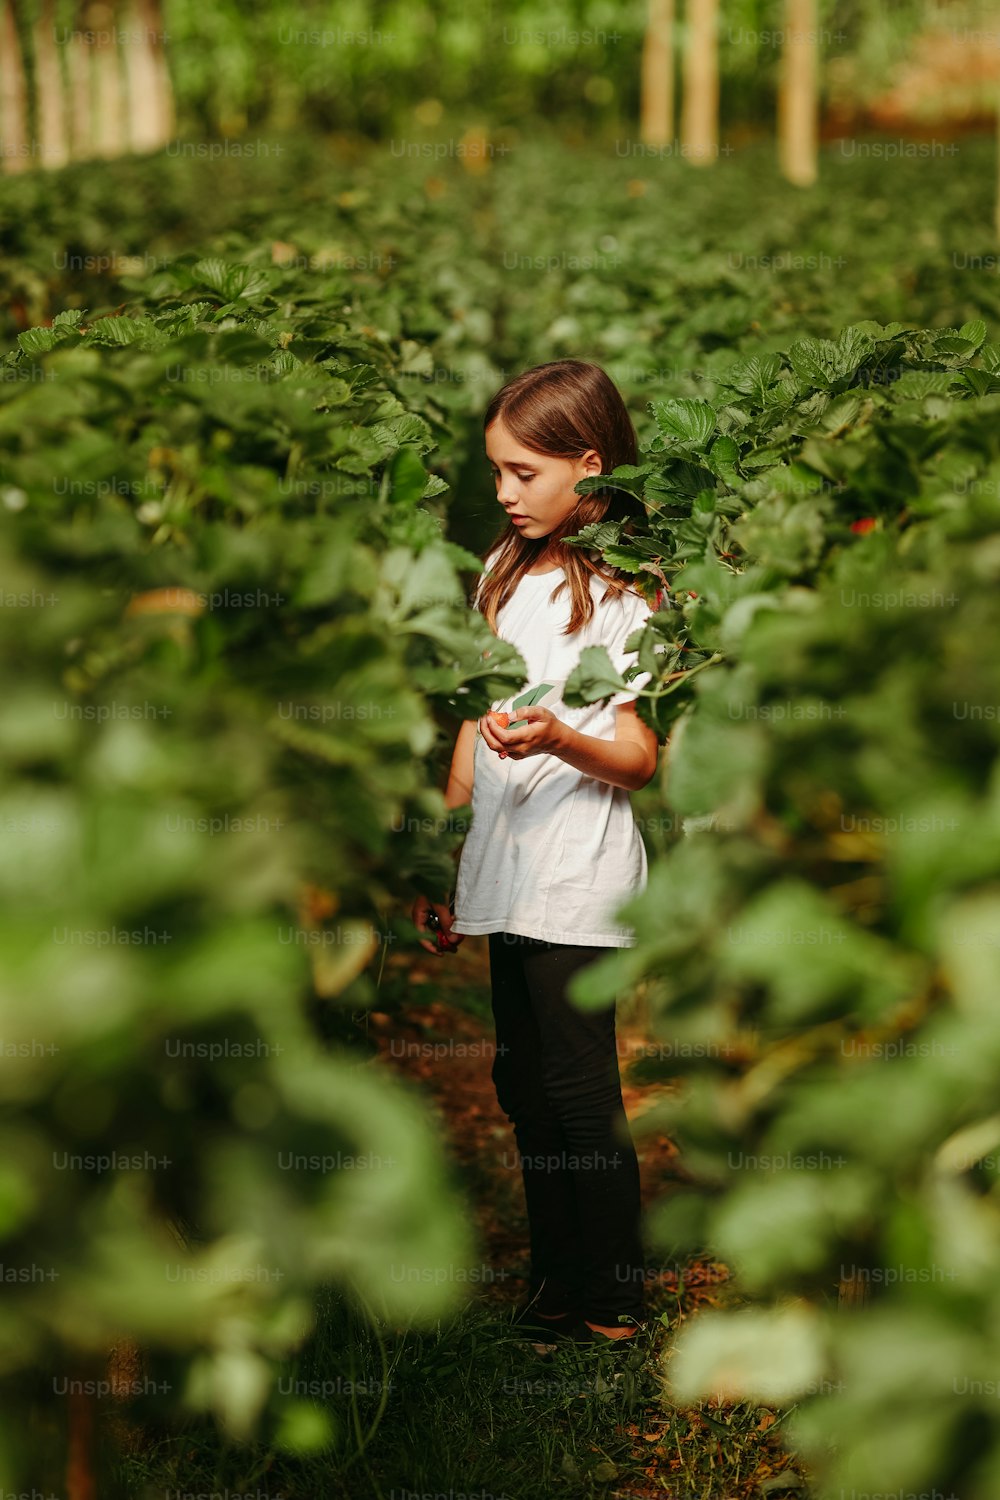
261 376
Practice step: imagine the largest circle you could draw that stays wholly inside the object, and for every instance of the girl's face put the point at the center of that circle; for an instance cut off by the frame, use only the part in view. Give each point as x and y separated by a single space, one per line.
535 489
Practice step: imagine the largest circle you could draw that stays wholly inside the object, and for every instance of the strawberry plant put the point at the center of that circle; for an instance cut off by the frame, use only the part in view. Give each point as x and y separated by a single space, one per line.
232 622
821 935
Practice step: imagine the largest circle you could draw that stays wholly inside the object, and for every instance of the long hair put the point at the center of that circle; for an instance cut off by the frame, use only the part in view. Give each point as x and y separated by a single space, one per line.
562 409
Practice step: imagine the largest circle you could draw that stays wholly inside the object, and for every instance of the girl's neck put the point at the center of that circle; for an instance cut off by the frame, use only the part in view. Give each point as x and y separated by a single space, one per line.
545 562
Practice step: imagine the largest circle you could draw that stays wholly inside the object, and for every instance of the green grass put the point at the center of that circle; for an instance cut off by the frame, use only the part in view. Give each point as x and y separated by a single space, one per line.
471 1407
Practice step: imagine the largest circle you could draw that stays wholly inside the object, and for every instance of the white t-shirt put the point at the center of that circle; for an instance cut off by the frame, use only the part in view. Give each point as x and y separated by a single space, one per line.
552 853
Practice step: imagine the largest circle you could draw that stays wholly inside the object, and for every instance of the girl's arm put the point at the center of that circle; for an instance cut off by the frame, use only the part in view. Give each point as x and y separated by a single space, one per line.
629 760
458 792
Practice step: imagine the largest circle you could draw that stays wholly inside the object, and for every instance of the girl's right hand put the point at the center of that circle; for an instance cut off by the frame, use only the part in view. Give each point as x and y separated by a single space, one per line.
424 914
488 727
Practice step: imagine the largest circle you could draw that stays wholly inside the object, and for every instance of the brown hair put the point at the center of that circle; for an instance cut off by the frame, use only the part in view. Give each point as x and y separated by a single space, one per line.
562 409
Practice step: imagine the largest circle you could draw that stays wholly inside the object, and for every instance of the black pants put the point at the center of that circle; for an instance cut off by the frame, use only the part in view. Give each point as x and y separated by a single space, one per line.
557 1080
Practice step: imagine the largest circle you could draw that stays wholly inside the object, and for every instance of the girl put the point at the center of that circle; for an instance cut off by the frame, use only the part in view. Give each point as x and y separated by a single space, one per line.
553 849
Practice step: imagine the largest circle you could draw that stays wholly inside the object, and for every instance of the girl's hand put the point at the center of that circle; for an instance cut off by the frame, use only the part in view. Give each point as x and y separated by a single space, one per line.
543 734
436 919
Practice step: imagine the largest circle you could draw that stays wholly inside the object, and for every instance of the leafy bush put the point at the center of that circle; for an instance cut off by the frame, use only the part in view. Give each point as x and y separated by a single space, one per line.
230 621
822 937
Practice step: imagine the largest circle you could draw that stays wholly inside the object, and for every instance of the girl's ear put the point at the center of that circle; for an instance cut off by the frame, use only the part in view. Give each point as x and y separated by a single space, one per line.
592 462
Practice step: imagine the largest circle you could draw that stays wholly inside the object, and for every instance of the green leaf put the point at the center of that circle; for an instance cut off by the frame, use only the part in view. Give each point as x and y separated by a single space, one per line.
598 534
36 340
212 270
407 429
305 1428
748 1354
630 560
232 282
854 347
627 477
824 364
684 423
880 333
979 382
952 344
714 762
841 413
723 455
916 384
755 376
974 332
124 331
593 677
813 962
407 478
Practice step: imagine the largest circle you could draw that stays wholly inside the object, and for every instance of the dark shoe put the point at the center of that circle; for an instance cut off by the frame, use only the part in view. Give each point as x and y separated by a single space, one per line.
528 1320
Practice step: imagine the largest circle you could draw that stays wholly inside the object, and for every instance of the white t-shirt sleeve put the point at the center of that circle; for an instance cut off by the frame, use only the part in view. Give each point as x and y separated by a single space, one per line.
636 612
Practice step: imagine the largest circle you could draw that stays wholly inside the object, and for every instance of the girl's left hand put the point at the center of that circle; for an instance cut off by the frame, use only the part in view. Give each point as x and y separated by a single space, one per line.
542 735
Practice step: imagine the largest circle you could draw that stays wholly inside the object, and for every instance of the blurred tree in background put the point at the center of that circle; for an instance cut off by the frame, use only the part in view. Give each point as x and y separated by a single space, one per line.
89 79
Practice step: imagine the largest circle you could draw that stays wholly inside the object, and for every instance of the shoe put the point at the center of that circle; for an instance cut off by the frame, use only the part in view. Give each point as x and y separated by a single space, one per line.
580 1332
528 1320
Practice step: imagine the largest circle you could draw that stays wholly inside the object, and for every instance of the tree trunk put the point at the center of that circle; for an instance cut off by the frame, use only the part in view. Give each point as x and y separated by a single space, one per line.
700 114
15 144
126 1374
78 61
798 101
168 113
50 97
656 127
109 127
80 1480
150 93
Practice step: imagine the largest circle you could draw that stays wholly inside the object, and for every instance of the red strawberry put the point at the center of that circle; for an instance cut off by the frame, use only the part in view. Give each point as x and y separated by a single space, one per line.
866 523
